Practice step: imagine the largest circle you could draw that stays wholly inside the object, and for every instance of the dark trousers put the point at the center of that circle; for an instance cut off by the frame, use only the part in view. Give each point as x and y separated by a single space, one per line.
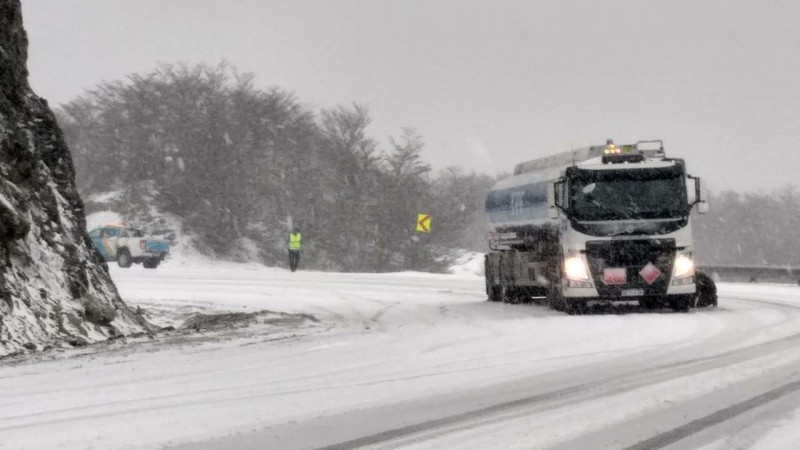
294 259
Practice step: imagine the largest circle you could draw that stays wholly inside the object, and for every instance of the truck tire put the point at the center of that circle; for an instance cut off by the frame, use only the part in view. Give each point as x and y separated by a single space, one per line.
513 294
494 294
574 307
706 290
151 263
525 295
554 296
505 293
681 303
492 290
124 259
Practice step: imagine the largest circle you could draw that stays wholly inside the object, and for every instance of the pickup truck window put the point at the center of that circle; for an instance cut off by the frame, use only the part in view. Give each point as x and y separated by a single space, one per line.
94 234
137 233
124 233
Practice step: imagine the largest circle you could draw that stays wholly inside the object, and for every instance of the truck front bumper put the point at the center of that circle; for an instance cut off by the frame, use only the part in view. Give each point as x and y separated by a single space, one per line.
626 295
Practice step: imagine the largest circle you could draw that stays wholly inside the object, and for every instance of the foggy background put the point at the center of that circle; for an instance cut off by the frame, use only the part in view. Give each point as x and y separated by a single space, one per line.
222 125
487 84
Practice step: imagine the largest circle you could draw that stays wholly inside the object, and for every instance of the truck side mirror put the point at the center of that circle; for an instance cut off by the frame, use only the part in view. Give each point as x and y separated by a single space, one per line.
702 196
551 201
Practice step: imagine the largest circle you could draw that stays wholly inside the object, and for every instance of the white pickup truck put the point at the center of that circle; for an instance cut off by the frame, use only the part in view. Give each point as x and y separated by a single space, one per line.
127 246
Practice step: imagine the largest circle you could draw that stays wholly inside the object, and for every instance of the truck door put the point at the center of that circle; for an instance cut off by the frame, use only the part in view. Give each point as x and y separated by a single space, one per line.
109 238
97 241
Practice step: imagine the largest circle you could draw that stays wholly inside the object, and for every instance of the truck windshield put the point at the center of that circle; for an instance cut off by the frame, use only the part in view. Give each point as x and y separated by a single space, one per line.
628 198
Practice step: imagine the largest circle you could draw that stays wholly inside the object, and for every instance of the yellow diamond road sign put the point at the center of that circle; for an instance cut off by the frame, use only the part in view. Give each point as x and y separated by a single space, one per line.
423 223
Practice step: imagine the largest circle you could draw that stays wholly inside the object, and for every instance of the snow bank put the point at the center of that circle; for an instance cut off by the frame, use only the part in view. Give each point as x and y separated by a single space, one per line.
468 264
99 219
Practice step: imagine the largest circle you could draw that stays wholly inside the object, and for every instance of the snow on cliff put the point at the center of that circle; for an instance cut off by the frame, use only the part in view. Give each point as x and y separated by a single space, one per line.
54 290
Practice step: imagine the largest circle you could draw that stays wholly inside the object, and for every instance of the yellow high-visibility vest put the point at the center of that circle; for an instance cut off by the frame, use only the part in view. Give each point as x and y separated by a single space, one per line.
294 241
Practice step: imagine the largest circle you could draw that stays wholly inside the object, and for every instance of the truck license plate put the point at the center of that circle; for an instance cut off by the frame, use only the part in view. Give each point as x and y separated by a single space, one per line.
632 292
615 276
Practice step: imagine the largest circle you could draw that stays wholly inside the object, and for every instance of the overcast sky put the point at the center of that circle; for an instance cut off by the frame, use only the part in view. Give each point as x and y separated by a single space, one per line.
486 83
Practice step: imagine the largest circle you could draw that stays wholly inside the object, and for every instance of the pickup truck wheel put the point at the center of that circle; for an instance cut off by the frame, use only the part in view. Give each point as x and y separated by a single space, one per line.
124 258
151 263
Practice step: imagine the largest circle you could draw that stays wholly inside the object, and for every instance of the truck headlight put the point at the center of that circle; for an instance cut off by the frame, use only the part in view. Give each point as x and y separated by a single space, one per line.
683 267
574 267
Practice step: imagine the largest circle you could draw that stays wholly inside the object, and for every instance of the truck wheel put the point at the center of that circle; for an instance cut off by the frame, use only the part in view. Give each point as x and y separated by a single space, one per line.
505 292
574 307
681 304
494 294
554 296
706 290
492 290
514 295
524 295
151 263
124 259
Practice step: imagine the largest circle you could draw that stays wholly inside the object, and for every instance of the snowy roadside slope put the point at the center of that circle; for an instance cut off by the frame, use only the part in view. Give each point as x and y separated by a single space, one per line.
469 264
390 349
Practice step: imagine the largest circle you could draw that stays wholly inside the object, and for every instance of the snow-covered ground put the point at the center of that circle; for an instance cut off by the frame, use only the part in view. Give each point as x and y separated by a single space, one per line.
411 360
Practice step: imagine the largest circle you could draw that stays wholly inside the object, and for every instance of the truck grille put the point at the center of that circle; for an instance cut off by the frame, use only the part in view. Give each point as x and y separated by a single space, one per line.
633 256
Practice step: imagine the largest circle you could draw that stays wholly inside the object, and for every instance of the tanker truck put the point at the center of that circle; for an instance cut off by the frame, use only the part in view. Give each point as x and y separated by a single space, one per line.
605 224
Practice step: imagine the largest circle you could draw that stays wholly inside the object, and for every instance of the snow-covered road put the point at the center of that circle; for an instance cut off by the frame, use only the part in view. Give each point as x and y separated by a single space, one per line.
417 361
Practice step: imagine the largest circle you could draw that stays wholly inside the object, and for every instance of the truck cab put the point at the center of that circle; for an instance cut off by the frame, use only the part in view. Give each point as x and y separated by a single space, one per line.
617 228
626 231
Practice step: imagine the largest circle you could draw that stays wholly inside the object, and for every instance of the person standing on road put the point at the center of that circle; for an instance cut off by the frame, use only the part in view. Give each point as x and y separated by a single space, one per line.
294 248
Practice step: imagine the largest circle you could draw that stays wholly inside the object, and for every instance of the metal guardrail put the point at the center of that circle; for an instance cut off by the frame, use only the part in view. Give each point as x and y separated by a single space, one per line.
753 274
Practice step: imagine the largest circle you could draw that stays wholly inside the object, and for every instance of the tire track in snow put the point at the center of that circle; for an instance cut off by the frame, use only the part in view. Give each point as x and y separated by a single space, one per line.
677 434
390 379
583 392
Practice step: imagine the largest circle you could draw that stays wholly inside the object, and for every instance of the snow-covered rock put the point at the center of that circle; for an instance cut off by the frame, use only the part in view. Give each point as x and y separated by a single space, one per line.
54 289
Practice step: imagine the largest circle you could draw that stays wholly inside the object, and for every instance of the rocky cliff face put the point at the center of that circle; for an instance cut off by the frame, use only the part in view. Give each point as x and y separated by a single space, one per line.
54 290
